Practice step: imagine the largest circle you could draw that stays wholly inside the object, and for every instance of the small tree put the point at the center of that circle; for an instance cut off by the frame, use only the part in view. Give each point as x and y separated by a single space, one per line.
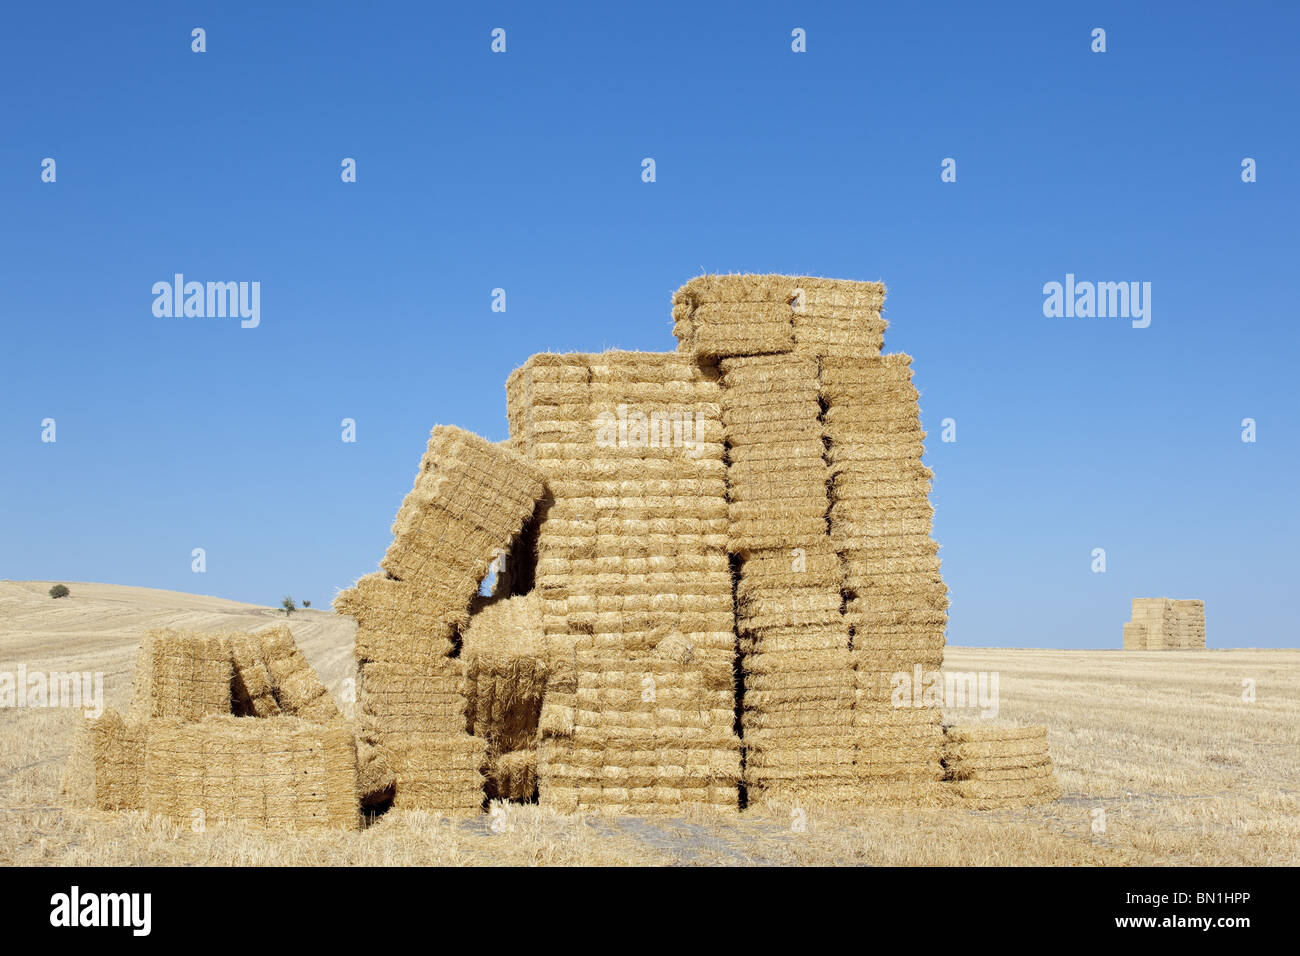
59 590
306 603
288 605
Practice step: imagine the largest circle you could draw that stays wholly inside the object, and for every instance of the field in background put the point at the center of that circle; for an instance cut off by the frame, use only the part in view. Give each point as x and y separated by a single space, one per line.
1184 770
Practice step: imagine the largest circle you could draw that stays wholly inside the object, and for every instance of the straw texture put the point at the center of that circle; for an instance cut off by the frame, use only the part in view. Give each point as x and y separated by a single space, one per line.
184 674
721 316
279 772
999 765
470 500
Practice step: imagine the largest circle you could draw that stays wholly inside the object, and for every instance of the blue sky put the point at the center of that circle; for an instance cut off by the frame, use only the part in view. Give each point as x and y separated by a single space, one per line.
522 171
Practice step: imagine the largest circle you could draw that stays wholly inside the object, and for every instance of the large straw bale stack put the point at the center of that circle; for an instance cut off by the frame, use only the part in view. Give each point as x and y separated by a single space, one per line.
112 748
719 316
650 737
470 500
183 674
996 765
280 772
880 515
633 540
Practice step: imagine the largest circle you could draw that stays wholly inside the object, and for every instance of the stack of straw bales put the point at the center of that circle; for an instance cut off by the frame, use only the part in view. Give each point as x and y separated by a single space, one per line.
647 737
998 765
1161 624
880 523
282 772
631 547
838 578
470 500
722 316
188 752
798 673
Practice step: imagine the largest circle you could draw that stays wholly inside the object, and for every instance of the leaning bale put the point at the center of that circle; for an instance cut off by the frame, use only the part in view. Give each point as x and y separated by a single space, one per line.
298 689
253 690
280 772
184 674
471 498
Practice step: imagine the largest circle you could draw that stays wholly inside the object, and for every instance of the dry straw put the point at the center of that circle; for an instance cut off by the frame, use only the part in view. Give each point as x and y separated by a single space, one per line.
996 764
278 772
182 674
717 316
470 500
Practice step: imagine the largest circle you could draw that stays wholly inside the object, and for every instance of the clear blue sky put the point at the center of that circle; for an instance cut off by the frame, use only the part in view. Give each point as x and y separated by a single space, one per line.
523 171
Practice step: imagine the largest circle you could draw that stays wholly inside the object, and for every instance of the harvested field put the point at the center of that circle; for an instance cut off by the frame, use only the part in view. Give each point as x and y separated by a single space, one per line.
1184 769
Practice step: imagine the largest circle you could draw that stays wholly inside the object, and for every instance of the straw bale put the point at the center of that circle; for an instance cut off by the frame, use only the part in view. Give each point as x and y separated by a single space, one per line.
253 690
506 667
732 315
116 748
513 775
400 699
438 772
185 674
280 772
297 688
393 623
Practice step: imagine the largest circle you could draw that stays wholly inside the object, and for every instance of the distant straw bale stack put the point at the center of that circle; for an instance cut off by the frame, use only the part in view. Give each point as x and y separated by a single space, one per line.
1161 624
721 316
278 772
997 765
650 737
184 674
470 500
